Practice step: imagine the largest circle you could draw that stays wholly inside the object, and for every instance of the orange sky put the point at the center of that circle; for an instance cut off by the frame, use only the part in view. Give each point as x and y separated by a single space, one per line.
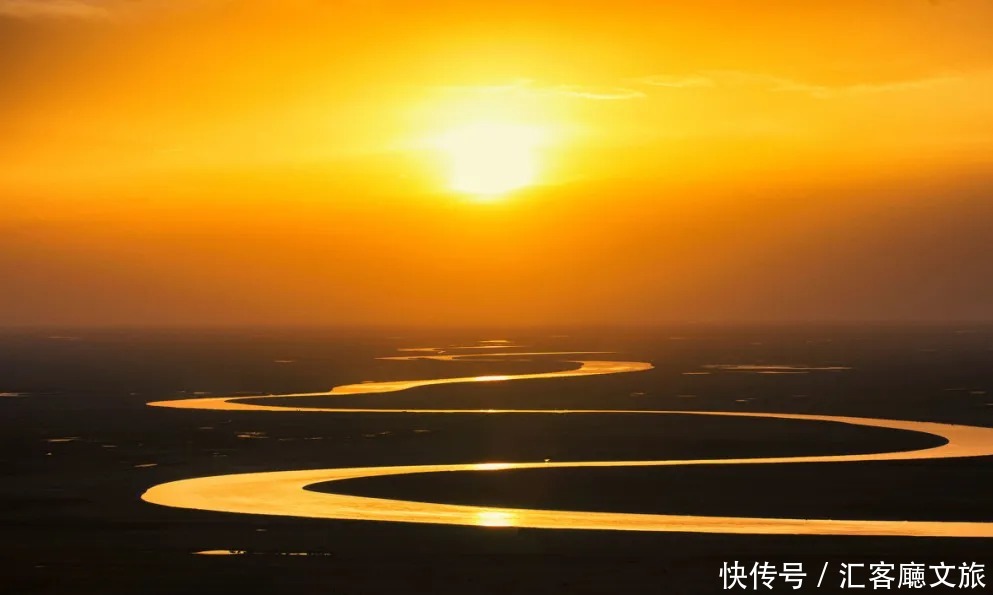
248 162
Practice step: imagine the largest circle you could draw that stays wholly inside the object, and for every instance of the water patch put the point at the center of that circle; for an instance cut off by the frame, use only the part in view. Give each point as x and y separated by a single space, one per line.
252 435
775 369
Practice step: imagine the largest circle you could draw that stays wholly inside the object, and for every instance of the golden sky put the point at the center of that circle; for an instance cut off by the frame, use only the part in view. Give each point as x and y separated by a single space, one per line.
514 162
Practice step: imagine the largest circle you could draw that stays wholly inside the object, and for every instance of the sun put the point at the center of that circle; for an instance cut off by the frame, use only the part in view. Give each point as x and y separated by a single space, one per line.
490 159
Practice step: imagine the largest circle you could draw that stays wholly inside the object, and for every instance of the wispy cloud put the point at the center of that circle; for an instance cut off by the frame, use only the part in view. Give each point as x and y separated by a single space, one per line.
638 88
529 87
94 10
55 9
597 93
733 78
825 91
676 81
508 87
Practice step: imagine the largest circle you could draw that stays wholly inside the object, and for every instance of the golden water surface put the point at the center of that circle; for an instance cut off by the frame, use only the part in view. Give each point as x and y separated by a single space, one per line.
284 493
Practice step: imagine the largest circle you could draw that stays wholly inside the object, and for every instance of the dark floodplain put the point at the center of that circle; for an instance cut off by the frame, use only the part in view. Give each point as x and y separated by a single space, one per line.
79 447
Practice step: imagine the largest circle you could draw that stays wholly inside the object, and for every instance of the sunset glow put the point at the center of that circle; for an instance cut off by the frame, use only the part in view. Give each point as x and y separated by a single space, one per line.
398 162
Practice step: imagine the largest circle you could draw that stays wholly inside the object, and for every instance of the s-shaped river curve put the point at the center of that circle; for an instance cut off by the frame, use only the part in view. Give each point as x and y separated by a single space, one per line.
284 493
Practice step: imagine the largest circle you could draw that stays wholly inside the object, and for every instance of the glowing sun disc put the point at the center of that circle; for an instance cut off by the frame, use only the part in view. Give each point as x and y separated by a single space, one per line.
491 158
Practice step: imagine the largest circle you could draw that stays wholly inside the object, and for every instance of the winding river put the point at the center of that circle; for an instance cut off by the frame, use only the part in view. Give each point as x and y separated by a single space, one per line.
284 493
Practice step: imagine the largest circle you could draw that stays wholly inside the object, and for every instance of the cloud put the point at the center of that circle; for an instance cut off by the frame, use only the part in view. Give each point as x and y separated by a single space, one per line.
707 79
95 10
676 82
527 86
54 9
733 78
826 91
512 86
597 93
